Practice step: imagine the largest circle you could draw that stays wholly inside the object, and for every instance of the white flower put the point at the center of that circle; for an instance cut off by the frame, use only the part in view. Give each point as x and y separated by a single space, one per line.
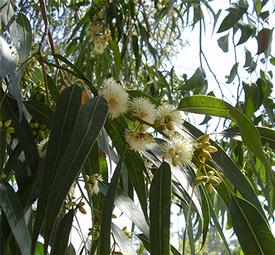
138 140
144 109
116 97
168 116
94 189
179 151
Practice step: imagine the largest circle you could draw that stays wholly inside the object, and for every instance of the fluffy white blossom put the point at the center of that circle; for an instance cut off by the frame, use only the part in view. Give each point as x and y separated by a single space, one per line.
179 150
144 109
168 116
138 140
116 97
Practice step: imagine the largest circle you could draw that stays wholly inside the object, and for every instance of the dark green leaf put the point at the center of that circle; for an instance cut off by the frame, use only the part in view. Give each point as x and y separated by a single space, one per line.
106 219
62 235
2 147
236 11
247 31
64 119
41 112
160 205
233 73
89 121
13 210
253 231
223 42
197 82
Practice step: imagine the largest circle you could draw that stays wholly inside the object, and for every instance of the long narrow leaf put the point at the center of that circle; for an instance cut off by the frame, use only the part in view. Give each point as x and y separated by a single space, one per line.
105 228
62 235
160 205
89 122
251 228
13 210
64 119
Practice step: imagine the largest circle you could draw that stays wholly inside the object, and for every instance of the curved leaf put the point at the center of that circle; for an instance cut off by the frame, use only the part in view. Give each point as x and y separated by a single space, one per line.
217 107
160 205
13 210
251 228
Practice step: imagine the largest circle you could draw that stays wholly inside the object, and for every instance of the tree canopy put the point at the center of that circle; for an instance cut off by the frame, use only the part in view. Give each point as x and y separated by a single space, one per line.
95 118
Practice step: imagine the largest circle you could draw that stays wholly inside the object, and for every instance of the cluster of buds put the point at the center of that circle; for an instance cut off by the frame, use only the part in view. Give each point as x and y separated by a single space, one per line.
92 183
94 231
207 175
6 125
71 204
98 34
211 178
39 131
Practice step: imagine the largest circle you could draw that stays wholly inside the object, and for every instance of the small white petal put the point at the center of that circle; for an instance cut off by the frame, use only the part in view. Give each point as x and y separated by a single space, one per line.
116 97
179 150
144 109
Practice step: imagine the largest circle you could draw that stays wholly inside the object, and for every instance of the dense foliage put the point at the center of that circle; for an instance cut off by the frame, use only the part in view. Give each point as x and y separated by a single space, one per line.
95 120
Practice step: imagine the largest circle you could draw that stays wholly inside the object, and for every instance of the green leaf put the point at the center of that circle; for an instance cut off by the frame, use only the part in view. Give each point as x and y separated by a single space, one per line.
223 42
89 121
13 210
267 135
160 205
236 11
64 120
197 82
217 107
62 235
233 73
253 231
247 31
41 112
21 34
106 219
123 241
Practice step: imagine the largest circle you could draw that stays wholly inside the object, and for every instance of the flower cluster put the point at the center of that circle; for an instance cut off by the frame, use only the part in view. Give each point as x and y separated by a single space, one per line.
99 35
116 97
179 150
144 114
6 126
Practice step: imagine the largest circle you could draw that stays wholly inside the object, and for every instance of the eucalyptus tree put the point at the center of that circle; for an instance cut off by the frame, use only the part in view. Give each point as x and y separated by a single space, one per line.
94 120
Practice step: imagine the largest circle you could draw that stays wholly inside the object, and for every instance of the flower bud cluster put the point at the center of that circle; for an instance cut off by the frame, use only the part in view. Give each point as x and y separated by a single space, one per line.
39 131
99 35
6 125
207 174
